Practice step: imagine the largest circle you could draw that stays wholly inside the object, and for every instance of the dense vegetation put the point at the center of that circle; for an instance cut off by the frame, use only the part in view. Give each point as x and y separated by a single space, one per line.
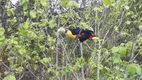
31 48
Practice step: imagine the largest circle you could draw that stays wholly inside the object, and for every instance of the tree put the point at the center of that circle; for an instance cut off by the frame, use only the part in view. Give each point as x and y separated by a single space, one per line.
35 51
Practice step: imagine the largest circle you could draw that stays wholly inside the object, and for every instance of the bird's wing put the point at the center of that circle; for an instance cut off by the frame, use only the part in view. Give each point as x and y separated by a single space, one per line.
75 31
84 36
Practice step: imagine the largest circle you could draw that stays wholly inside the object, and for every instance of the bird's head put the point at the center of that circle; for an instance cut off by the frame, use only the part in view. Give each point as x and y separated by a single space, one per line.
61 30
67 32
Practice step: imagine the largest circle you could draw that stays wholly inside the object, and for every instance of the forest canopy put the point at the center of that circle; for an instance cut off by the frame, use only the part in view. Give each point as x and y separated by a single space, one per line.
32 49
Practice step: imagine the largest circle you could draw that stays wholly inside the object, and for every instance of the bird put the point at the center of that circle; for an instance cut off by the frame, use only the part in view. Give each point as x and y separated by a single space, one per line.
78 33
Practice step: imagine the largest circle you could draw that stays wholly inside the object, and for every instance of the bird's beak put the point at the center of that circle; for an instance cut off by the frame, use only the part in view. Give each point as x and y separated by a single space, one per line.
61 30
66 30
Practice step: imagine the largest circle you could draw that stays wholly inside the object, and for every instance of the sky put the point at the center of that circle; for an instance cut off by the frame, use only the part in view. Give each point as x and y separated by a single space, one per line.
14 1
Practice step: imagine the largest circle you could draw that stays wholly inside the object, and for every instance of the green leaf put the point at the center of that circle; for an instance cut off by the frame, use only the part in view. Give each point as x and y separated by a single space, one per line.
116 28
87 16
131 69
10 11
33 14
134 69
10 77
63 20
25 25
22 2
72 4
52 23
12 21
115 49
2 38
12 42
140 27
19 69
43 2
83 25
25 6
68 68
43 23
138 70
116 58
123 34
22 50
64 3
140 50
32 34
24 28
126 7
100 9
45 61
2 31
36 67
128 22
107 2
37 48
122 51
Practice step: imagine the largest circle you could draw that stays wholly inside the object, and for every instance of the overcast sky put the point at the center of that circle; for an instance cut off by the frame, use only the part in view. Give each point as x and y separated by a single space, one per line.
14 1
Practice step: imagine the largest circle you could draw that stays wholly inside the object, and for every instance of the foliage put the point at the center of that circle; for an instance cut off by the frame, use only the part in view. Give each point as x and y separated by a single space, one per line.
36 50
10 77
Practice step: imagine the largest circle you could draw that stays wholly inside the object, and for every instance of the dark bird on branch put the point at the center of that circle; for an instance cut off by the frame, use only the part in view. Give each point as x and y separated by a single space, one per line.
78 33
